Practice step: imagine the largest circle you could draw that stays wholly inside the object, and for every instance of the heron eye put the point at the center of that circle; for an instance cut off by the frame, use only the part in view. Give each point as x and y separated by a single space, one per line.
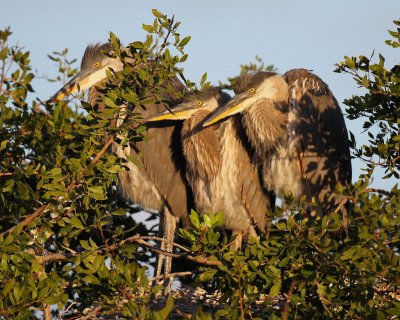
97 64
252 90
199 102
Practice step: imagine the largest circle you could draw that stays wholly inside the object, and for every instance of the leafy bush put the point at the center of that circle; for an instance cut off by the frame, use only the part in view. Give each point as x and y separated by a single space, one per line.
69 245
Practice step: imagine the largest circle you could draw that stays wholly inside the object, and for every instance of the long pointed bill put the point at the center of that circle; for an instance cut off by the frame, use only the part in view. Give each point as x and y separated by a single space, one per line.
236 105
180 112
82 81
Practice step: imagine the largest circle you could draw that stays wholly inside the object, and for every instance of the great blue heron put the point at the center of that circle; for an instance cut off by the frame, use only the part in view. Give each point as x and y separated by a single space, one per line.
158 182
298 132
219 167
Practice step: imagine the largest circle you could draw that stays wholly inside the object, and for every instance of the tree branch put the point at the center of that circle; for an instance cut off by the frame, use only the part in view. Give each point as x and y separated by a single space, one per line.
6 174
46 311
38 212
165 240
173 275
288 296
103 150
384 192
136 239
91 314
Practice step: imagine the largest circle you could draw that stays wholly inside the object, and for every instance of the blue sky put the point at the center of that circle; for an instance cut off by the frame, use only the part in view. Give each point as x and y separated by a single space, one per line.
289 34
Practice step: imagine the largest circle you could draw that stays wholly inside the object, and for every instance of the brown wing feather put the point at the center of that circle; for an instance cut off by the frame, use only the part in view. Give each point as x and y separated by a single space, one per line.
163 163
201 147
324 153
255 197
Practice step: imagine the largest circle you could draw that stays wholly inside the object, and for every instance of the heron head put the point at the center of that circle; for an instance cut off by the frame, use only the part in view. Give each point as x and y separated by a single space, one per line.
259 87
93 70
209 99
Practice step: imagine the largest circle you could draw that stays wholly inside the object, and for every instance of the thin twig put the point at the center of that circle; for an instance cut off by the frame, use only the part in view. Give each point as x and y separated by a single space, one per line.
322 299
103 150
38 212
90 314
386 162
165 240
386 193
240 295
173 275
341 204
288 296
137 239
69 307
197 259
6 174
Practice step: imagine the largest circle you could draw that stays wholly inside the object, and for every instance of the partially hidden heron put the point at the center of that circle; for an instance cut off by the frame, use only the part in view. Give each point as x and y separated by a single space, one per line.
158 182
298 132
219 165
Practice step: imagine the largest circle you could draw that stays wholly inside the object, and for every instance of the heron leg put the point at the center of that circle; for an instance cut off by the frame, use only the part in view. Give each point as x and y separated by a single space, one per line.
164 263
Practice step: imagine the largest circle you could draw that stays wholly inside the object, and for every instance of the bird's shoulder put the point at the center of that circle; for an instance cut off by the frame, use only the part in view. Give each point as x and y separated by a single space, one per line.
306 81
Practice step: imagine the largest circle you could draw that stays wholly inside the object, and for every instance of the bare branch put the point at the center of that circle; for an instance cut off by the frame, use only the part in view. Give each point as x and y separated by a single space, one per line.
173 275
46 311
324 301
165 240
6 174
288 296
38 212
103 150
136 239
384 192
90 314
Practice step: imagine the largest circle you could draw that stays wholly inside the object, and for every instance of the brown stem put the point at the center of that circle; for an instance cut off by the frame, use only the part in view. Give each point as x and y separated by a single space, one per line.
197 259
6 174
46 312
137 239
165 240
240 295
38 212
109 141
172 275
285 311
384 192
90 314
322 299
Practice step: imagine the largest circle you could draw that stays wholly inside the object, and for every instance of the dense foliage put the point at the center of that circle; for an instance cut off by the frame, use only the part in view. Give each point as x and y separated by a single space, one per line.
71 248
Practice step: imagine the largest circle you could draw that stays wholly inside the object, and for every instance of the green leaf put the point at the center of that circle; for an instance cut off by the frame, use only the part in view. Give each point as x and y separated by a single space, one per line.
157 13
97 193
114 169
184 41
137 44
108 102
75 222
194 218
203 78
283 262
147 27
3 145
349 253
275 289
207 275
115 43
9 285
53 300
165 312
3 53
55 171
